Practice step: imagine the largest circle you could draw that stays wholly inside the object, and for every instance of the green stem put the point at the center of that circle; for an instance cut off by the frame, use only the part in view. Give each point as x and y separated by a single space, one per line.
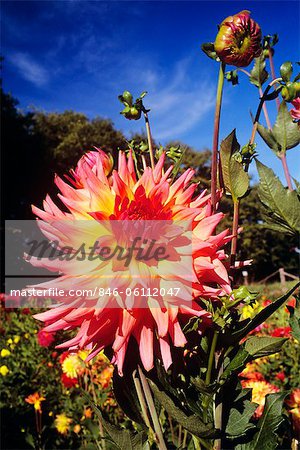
214 161
235 225
158 431
141 398
211 357
149 137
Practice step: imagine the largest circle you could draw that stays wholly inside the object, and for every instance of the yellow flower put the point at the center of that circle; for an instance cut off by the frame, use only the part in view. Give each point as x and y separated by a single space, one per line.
248 312
17 339
83 354
4 370
71 366
9 341
5 352
62 423
26 335
35 399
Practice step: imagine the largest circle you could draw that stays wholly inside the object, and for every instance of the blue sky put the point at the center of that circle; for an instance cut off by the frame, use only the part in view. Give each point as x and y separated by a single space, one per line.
81 54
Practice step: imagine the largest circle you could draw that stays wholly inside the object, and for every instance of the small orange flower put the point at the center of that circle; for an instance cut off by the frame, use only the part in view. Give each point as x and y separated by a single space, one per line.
35 399
105 376
88 413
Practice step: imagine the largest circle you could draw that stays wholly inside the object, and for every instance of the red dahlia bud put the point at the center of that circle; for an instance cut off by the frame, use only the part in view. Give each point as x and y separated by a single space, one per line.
238 40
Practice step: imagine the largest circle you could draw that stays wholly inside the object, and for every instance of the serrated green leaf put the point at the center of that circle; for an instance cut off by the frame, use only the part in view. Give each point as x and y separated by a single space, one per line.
268 137
191 423
259 346
258 74
123 439
236 180
266 437
285 131
236 364
282 205
239 420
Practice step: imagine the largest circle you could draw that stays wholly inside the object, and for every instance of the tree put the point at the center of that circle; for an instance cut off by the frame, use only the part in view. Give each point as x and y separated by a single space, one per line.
68 135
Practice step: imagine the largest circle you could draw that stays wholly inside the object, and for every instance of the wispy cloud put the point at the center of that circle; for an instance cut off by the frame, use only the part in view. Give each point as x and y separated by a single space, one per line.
29 69
177 99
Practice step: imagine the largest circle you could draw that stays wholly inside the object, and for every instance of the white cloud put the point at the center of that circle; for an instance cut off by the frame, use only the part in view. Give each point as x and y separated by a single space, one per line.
29 69
178 102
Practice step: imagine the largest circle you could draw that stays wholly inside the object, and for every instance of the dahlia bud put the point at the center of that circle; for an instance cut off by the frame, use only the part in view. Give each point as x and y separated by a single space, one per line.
238 41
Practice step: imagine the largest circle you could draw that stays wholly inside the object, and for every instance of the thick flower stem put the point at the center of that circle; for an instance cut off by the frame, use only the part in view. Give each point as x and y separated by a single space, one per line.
235 225
286 170
141 398
149 137
214 161
211 357
158 431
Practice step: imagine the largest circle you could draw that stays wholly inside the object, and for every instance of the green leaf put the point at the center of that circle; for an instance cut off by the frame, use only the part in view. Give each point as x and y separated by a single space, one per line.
254 347
244 327
126 396
236 180
237 363
239 419
286 70
282 205
123 439
191 423
259 346
297 184
209 49
266 437
285 133
258 74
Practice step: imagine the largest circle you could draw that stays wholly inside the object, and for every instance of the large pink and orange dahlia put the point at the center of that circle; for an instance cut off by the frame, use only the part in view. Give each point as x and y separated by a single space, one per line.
96 198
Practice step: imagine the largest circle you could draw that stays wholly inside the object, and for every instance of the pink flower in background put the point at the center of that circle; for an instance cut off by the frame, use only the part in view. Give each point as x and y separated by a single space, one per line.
96 203
295 112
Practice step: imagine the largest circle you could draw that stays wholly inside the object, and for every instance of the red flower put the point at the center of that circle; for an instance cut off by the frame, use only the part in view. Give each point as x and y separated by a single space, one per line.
67 381
266 302
63 356
45 338
282 332
280 376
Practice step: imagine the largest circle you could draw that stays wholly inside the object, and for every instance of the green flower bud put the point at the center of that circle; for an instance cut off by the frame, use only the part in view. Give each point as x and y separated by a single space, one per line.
127 97
289 92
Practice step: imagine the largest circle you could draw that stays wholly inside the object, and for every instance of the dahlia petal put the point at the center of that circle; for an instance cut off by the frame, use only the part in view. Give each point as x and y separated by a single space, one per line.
165 352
